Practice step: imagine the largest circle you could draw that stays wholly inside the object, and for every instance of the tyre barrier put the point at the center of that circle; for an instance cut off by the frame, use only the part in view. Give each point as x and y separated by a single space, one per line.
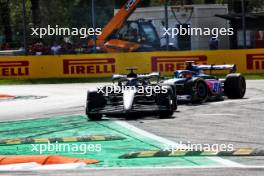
61 139
44 160
183 153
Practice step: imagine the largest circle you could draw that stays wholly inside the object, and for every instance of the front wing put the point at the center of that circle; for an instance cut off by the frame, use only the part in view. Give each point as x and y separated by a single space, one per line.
137 108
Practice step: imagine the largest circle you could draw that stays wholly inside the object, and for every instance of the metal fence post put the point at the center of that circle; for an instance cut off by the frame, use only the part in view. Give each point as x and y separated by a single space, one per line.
24 27
94 24
166 23
244 23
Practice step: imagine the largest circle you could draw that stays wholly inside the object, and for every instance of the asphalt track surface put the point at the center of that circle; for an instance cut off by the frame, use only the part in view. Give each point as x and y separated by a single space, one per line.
237 122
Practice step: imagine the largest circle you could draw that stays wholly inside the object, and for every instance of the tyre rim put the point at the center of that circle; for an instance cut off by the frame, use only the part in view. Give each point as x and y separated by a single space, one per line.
202 93
170 102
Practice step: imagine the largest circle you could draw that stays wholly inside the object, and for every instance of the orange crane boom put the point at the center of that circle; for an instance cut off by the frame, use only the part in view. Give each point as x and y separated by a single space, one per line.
134 39
113 25
119 19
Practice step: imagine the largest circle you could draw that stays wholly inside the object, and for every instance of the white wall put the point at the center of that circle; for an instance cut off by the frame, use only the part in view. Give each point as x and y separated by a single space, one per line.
203 16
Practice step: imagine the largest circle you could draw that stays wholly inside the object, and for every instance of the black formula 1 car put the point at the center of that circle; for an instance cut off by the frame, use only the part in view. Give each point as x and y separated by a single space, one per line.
195 86
131 94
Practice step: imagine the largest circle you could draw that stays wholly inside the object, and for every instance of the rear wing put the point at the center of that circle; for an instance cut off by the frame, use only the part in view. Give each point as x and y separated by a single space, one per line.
231 67
117 77
140 76
150 75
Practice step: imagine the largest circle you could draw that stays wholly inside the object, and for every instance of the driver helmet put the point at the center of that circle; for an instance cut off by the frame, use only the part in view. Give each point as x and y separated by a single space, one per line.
190 65
132 74
186 75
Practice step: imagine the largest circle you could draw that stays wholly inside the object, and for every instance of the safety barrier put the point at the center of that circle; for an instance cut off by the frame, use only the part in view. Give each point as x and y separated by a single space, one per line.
104 65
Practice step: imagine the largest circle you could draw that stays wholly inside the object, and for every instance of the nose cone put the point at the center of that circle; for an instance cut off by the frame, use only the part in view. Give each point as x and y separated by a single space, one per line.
128 98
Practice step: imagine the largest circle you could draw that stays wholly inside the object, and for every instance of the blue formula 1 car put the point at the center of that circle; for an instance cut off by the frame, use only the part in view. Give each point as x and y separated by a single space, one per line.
195 86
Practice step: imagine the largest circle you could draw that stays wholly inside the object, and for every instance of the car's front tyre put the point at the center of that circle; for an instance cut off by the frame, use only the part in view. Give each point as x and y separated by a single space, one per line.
94 101
166 100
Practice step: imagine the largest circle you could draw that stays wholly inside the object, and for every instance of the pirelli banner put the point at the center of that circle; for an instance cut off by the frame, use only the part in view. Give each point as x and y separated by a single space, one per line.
104 65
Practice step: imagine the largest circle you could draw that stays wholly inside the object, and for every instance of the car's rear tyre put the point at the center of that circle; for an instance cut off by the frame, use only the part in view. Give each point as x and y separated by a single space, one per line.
235 86
200 92
166 99
94 100
94 117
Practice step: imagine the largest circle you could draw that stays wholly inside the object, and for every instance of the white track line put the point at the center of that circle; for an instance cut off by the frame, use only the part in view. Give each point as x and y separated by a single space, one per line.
29 167
68 166
225 162
35 166
177 167
148 134
21 166
216 115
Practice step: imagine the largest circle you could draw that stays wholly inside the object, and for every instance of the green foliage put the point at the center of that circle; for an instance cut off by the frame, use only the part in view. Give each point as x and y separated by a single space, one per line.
74 13
65 13
144 3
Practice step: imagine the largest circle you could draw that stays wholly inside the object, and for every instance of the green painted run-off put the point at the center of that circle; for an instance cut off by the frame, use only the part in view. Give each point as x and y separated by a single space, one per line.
77 125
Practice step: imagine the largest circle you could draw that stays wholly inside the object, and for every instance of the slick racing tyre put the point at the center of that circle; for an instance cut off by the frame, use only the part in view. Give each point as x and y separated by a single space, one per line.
166 100
200 91
94 100
235 86
174 97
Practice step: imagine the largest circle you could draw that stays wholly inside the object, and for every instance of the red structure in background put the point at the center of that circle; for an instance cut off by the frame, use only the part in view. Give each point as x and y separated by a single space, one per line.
260 39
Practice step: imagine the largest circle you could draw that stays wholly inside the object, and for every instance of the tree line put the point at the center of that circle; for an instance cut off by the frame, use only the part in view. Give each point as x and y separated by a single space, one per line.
75 13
